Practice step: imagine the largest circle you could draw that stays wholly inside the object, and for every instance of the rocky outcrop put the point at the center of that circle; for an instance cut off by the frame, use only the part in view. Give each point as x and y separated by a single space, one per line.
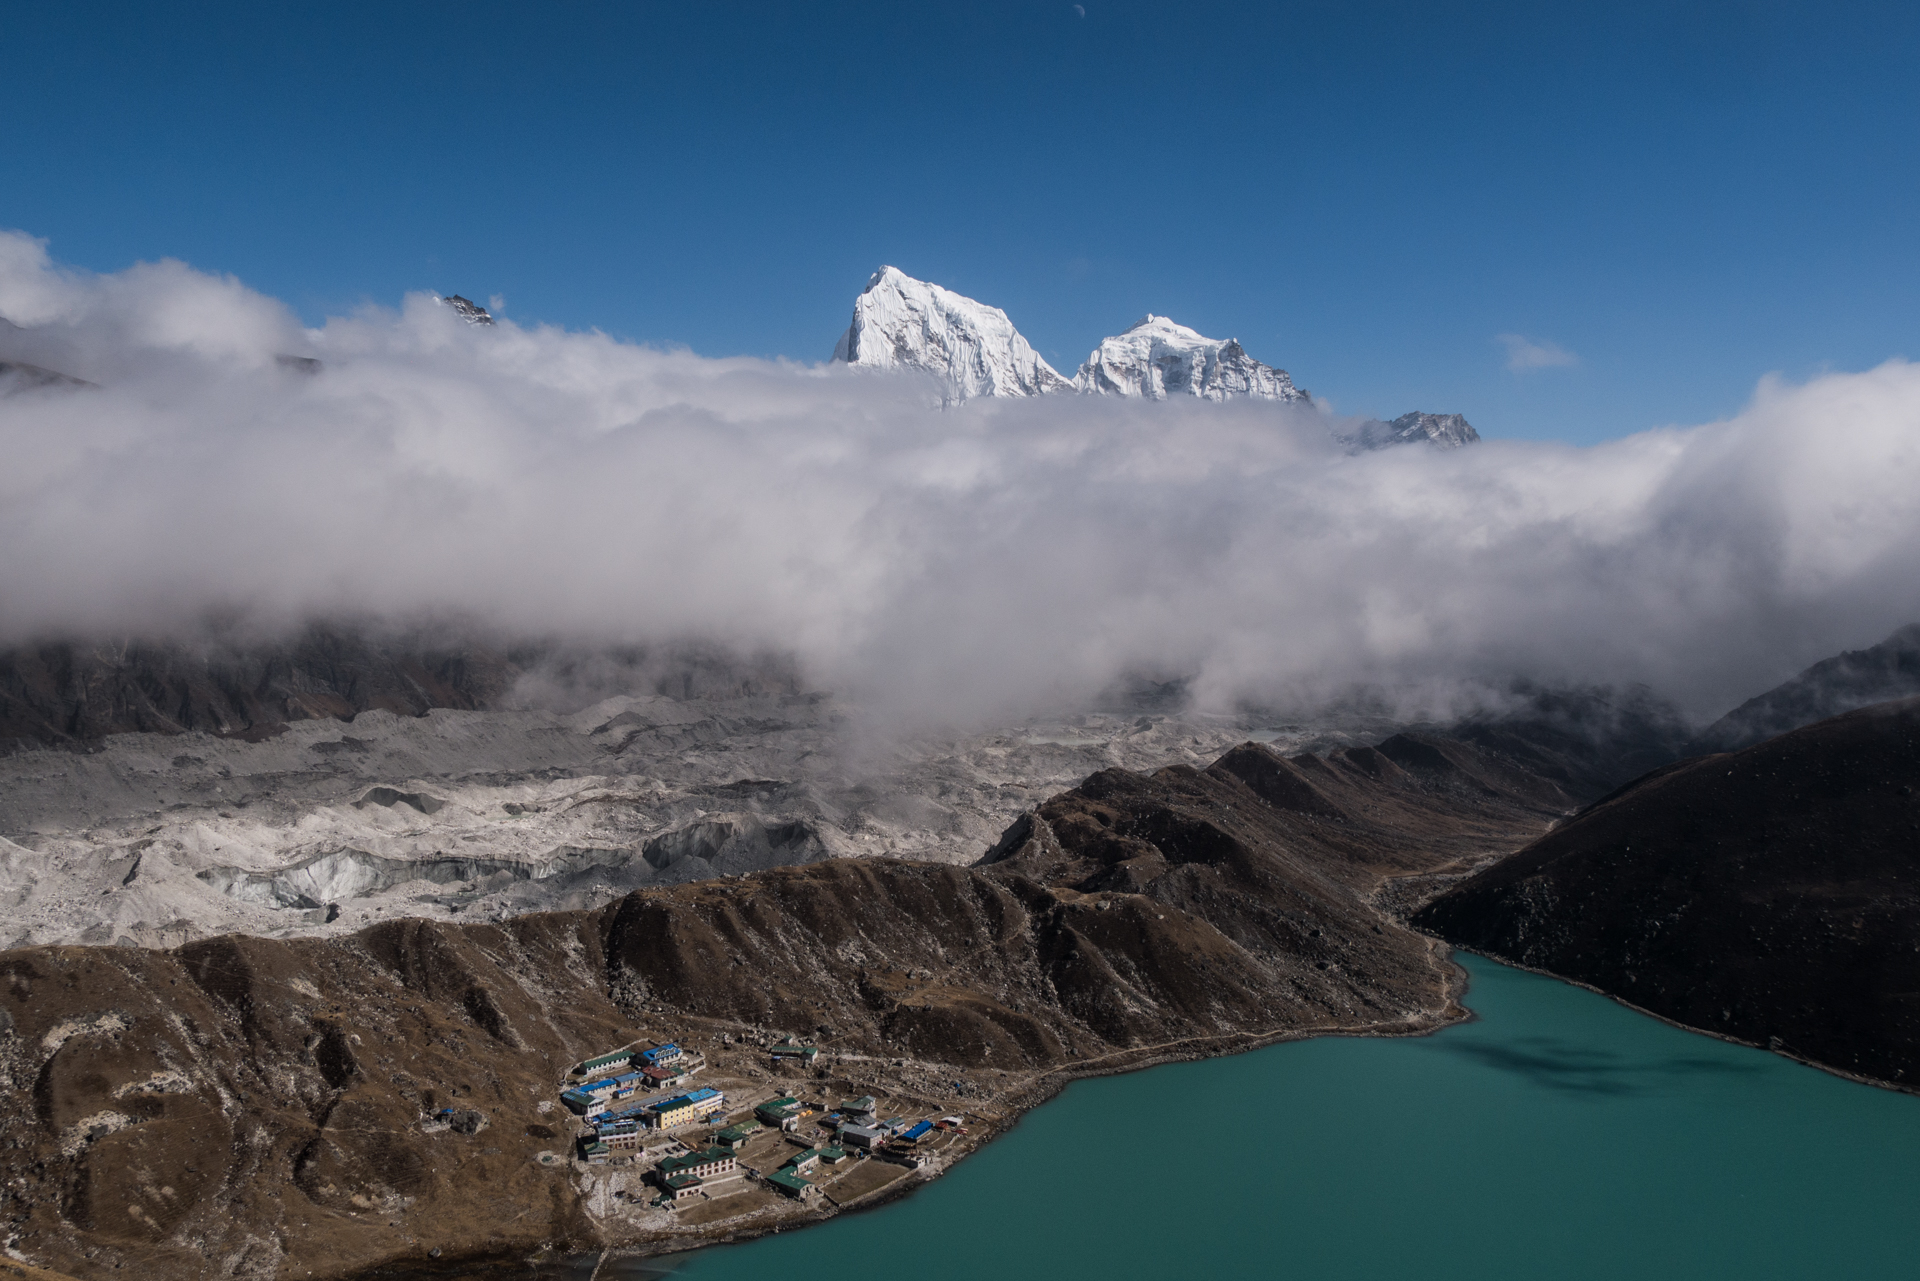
1769 895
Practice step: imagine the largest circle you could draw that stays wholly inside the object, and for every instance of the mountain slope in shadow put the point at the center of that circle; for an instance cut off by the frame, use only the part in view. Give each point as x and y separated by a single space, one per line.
1770 895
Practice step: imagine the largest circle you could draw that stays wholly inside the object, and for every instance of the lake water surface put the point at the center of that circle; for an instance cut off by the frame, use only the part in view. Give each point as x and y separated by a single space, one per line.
1558 1136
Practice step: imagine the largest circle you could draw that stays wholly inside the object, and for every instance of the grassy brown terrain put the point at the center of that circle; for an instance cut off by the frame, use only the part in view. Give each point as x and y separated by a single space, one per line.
253 1107
1771 895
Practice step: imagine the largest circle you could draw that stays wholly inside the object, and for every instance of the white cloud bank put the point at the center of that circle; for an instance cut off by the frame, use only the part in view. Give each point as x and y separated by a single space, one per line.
556 483
1524 353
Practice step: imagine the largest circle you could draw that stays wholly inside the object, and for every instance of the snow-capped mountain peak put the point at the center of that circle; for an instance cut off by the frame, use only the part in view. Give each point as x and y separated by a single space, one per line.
970 348
1158 358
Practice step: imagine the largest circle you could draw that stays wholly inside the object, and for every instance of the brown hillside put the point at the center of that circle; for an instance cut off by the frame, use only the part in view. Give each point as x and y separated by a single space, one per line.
239 1104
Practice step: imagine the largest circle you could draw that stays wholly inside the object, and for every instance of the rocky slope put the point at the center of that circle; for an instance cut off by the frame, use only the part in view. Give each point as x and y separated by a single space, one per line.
1857 678
236 1105
1771 895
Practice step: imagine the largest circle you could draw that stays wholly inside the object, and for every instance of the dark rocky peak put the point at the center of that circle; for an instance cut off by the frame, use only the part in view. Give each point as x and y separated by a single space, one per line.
1281 783
17 376
468 310
1857 678
1444 431
1586 739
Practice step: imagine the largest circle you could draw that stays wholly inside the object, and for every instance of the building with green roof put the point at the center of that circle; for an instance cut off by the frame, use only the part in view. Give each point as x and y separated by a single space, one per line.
619 1058
774 1111
735 1136
791 1184
707 1164
791 1049
803 1162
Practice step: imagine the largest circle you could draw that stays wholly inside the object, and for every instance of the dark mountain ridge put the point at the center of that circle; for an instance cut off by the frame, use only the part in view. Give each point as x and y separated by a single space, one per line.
72 694
1587 739
1856 678
1770 895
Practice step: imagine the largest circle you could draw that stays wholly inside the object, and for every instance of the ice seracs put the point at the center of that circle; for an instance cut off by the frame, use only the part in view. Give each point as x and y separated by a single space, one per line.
1157 358
971 349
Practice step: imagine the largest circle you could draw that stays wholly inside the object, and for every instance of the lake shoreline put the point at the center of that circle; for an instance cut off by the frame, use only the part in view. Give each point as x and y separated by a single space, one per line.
1582 1141
1045 1088
1878 1083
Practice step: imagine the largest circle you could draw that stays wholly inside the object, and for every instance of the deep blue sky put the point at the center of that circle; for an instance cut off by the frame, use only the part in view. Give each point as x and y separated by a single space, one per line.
1685 196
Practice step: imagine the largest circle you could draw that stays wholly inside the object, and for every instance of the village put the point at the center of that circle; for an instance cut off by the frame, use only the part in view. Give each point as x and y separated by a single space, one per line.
644 1107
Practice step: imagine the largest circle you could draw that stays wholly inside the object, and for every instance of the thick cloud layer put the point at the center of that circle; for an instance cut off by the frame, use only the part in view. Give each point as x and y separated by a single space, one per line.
982 560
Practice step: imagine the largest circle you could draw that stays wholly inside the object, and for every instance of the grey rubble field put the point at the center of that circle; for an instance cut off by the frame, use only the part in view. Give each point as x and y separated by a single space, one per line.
154 840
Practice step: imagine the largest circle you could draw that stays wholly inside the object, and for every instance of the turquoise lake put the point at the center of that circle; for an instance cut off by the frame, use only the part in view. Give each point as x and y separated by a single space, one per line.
1557 1136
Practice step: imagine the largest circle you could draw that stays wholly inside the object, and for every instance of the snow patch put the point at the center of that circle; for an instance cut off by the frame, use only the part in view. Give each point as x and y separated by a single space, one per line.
61 1033
89 1128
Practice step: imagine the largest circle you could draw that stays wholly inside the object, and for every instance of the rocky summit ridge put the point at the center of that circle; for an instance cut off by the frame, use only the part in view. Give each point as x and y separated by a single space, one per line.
972 350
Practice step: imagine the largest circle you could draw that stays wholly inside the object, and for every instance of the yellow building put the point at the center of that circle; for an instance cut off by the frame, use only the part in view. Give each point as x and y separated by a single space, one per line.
687 1108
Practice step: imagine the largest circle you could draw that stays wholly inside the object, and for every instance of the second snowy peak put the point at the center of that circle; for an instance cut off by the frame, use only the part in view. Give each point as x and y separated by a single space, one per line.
1157 358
